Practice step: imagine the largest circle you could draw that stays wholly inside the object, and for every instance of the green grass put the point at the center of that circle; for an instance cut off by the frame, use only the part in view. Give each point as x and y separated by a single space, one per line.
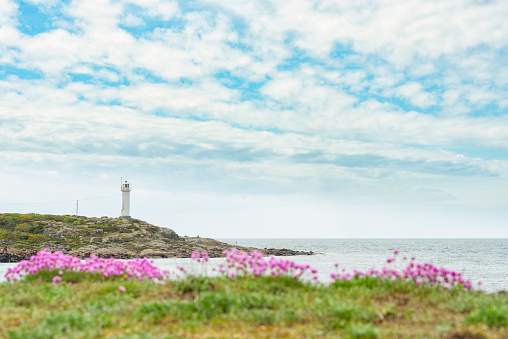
266 307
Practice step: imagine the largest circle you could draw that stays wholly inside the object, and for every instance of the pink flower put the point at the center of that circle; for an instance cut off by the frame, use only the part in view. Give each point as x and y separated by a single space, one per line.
140 268
395 251
122 289
196 256
56 279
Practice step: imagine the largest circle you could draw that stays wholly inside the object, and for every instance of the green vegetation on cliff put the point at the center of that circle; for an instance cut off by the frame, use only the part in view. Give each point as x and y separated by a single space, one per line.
71 232
82 236
246 307
25 230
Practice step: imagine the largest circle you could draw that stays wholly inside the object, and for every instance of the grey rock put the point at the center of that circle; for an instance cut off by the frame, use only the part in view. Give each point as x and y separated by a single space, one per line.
53 247
167 233
49 231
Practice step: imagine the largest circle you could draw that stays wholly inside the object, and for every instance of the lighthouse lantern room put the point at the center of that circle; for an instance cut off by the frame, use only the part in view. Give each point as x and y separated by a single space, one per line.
126 202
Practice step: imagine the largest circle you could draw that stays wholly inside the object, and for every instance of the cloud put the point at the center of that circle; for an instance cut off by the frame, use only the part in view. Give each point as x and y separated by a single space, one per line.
397 30
353 100
157 8
8 11
130 20
414 92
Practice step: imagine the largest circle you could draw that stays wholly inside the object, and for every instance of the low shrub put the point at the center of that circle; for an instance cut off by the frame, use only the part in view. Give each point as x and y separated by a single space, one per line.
492 315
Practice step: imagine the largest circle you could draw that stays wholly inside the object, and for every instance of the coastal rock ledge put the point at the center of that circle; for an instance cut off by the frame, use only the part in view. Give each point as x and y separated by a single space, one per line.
23 235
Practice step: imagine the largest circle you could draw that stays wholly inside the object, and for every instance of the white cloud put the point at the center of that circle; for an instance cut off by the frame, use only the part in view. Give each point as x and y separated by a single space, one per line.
8 11
132 20
93 14
414 92
100 123
423 69
395 30
157 8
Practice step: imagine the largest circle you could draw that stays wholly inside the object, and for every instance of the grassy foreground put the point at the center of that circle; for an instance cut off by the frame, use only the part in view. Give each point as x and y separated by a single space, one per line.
246 307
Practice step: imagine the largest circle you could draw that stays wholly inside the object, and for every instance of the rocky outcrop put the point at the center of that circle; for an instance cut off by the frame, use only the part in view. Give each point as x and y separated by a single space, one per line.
215 248
118 237
167 233
284 252
16 255
104 252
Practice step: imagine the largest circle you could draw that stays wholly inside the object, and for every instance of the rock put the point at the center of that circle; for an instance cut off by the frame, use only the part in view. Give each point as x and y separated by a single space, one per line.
53 247
151 253
60 234
103 252
49 231
16 255
116 252
140 239
167 233
84 250
158 244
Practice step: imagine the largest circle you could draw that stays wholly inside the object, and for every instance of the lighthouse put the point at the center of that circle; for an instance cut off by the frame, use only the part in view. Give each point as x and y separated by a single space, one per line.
126 200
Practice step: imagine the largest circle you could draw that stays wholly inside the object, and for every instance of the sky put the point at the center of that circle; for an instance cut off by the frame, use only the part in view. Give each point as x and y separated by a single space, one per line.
260 118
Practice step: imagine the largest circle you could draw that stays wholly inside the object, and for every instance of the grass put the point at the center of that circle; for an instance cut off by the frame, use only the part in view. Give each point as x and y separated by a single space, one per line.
246 307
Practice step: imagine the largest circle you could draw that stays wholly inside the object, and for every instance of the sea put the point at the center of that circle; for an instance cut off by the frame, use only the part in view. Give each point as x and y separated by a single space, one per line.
479 260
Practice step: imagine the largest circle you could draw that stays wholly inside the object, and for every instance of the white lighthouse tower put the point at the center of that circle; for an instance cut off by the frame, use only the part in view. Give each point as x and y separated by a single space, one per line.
126 200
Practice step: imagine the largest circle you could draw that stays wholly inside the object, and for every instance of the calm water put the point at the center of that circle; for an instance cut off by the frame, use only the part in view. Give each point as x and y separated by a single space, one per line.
483 260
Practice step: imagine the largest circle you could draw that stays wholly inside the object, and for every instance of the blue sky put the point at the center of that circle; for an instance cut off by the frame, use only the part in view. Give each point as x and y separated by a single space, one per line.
264 118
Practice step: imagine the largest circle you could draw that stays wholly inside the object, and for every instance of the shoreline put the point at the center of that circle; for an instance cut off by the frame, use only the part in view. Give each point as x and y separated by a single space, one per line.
179 249
23 235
